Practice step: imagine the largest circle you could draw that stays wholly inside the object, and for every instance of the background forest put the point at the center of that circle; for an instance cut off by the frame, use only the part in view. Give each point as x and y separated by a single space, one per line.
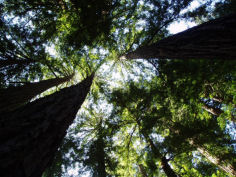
102 88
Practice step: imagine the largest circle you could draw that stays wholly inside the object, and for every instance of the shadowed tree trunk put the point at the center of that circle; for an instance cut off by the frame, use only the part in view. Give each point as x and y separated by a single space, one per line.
14 97
215 39
167 169
164 162
142 170
96 155
30 136
227 167
101 158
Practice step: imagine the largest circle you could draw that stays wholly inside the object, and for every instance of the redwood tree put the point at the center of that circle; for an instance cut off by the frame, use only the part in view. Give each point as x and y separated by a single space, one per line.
215 39
164 161
14 97
31 135
223 165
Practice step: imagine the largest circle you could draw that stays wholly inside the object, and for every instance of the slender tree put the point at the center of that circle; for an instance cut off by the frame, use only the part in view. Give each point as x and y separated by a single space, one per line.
227 167
164 162
96 158
212 109
142 170
215 39
31 135
197 137
14 97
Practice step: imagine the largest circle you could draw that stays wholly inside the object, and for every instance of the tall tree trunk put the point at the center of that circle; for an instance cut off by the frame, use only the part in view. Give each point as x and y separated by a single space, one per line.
14 97
167 169
215 39
164 162
142 170
8 62
228 168
30 136
101 158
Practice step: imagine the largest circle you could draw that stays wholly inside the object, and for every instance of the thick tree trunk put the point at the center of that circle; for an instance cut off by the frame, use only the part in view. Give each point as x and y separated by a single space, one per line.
228 168
8 62
14 97
215 39
30 136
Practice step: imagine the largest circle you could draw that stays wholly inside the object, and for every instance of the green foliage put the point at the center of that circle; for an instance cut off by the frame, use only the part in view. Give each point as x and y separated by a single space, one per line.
132 104
211 9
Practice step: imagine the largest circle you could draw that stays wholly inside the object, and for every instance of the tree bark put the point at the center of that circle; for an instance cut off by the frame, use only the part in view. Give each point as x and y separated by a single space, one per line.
14 97
142 170
101 158
212 110
218 99
215 39
164 162
30 136
167 169
228 168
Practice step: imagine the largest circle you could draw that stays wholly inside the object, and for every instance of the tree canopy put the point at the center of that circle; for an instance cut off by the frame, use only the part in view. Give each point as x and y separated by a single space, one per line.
170 114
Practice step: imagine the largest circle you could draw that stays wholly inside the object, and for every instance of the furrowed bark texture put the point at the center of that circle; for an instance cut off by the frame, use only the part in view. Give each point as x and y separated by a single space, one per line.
215 39
14 97
228 168
30 136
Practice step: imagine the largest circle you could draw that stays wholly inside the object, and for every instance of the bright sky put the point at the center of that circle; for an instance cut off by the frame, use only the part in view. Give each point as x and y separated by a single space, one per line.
174 28
179 26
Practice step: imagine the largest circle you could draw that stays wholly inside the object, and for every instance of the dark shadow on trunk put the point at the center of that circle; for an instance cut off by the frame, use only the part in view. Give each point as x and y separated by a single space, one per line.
31 135
14 97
